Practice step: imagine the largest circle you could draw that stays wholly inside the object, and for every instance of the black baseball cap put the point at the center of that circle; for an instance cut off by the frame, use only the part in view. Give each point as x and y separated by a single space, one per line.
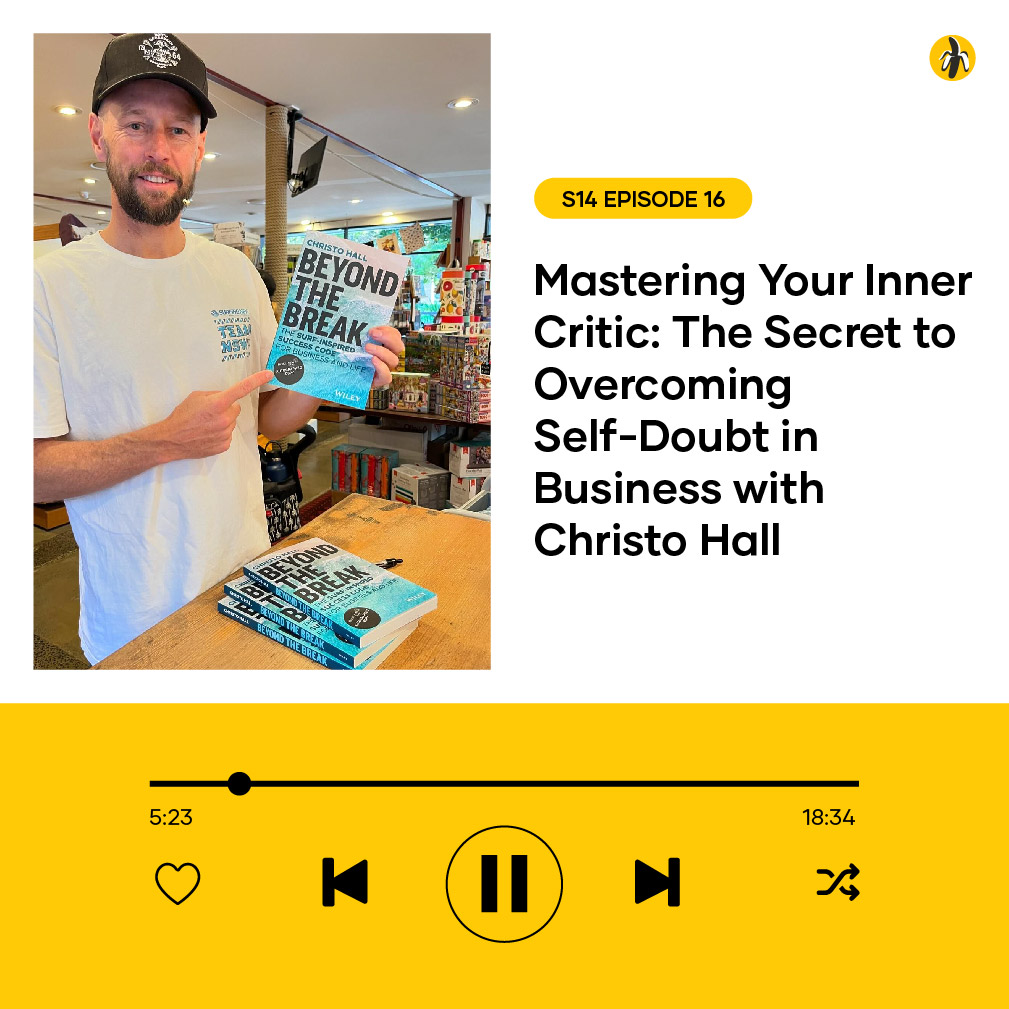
161 56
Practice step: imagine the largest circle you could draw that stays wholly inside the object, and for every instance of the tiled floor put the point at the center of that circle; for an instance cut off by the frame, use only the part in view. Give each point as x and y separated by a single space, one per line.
57 598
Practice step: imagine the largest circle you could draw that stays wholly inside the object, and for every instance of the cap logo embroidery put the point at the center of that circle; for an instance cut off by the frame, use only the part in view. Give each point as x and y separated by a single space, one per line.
160 50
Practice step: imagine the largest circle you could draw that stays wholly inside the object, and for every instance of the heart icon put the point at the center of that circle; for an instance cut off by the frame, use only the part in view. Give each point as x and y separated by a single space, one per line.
175 882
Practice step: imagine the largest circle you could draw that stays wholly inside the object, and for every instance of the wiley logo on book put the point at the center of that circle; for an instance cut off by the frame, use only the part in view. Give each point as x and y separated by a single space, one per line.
235 328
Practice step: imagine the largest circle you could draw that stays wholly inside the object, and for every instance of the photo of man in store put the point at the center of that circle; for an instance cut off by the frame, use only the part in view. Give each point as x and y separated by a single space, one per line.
150 353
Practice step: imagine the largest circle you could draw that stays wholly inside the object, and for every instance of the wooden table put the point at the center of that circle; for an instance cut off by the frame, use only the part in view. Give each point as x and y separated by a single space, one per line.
448 554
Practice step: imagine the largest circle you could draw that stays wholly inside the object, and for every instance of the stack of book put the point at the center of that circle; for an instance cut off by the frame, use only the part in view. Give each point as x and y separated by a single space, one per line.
327 604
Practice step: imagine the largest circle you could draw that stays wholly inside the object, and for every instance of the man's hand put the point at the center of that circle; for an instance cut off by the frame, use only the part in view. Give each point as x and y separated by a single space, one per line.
385 351
201 425
204 422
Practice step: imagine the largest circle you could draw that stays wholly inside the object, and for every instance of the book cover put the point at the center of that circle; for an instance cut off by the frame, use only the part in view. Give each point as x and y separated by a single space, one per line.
339 291
299 623
358 600
237 610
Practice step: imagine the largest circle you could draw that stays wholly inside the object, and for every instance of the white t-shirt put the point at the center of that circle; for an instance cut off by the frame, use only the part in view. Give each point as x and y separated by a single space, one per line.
120 341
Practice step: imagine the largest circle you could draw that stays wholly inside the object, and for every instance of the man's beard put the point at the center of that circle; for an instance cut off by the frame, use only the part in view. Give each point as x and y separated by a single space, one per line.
162 212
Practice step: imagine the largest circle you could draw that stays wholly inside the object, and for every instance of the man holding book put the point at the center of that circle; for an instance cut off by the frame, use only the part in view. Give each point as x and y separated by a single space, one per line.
150 353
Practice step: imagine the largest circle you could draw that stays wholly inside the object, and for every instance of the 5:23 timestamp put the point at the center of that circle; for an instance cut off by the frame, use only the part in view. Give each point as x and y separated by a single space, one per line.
171 817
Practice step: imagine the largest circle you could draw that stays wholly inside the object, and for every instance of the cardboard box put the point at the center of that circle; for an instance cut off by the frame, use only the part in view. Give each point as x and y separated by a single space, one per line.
463 489
426 485
470 458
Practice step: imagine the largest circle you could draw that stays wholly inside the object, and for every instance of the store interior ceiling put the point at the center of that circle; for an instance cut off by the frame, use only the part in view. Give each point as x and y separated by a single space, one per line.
386 93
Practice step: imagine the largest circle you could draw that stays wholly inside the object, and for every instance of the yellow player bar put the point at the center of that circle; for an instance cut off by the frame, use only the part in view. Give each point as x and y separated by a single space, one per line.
543 855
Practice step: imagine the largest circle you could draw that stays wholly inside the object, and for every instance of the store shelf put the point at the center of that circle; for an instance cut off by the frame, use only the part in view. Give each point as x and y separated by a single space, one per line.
329 411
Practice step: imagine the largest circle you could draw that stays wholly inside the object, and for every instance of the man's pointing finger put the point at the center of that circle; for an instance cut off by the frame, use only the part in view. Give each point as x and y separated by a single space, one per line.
241 389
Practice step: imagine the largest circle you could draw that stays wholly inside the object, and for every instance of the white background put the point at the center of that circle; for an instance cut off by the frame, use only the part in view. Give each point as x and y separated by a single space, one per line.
894 588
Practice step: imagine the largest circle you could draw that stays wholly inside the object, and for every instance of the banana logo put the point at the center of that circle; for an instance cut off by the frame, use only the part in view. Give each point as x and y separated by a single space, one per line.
952 58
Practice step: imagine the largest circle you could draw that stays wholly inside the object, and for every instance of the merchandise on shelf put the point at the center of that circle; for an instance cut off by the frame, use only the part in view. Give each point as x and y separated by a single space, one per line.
346 468
423 351
377 465
463 359
453 295
378 399
361 469
476 286
421 484
462 391
409 391
462 489
470 458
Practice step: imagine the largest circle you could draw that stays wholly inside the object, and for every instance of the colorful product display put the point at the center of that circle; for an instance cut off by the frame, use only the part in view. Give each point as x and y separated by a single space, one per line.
361 470
453 295
409 392
423 351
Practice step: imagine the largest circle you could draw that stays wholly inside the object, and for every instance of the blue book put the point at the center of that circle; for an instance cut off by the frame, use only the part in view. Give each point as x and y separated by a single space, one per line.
358 600
237 610
338 292
297 622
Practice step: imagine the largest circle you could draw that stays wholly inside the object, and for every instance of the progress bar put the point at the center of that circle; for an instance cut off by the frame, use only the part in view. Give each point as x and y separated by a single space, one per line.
240 783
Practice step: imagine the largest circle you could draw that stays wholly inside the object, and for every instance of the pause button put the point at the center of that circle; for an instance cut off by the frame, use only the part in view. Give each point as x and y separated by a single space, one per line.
504 883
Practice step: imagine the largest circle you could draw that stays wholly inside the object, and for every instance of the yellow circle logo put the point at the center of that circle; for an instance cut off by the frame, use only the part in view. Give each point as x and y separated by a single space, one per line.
952 57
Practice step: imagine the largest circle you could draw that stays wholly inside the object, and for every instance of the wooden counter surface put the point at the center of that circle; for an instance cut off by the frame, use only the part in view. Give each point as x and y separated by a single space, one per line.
448 554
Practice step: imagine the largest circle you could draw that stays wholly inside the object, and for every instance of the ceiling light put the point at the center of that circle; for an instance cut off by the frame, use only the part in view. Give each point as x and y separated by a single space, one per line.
90 182
256 203
463 103
353 201
67 110
210 155
388 213
100 213
98 166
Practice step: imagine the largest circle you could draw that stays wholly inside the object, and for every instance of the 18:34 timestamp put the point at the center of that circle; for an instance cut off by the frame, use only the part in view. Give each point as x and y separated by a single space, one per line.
827 817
